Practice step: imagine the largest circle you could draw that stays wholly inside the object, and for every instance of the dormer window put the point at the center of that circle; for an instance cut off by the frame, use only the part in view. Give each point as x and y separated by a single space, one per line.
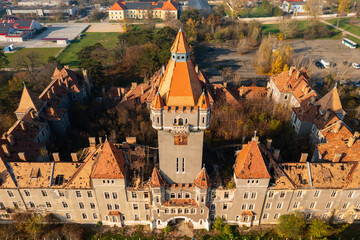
181 121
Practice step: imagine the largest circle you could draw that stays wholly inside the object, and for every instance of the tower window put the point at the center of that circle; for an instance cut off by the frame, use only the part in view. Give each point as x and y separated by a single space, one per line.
174 120
181 121
186 121
183 165
158 120
203 120
177 165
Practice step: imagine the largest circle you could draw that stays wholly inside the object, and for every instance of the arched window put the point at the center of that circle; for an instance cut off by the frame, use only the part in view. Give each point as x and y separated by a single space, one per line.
181 121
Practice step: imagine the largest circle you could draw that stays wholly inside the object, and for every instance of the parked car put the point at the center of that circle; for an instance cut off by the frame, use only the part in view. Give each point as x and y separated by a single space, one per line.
319 65
355 65
325 62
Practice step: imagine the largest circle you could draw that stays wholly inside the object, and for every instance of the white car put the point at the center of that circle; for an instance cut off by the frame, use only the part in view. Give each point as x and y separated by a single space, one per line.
355 65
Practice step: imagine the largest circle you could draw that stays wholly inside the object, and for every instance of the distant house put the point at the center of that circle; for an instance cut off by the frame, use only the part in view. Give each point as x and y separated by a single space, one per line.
43 11
139 10
293 6
18 30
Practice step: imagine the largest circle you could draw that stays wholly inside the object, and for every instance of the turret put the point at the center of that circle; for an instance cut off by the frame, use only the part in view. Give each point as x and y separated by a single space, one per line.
157 106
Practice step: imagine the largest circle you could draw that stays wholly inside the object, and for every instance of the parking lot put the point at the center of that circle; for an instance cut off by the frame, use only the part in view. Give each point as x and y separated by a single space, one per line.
306 52
54 30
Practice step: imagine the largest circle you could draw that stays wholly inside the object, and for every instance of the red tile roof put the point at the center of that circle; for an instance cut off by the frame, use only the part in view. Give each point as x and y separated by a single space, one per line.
29 100
180 45
250 163
202 180
156 179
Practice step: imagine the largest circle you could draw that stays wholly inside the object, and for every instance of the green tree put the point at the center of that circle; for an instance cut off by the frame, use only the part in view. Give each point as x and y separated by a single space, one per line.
3 58
319 228
218 224
344 6
291 225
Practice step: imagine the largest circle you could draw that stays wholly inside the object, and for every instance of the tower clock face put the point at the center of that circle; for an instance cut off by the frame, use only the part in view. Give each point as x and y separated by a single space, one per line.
180 139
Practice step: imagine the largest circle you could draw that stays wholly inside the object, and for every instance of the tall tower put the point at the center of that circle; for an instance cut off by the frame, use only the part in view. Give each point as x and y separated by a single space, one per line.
180 111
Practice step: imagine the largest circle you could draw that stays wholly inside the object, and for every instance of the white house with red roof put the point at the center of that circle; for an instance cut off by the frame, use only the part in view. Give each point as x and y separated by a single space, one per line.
17 30
139 10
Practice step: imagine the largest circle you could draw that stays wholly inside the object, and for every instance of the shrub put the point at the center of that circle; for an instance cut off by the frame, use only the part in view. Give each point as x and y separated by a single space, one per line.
291 225
319 228
99 224
167 229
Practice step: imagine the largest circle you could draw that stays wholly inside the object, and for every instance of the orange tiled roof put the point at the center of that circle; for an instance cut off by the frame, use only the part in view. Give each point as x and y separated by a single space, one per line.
223 93
180 85
28 100
140 92
169 5
5 177
117 6
110 163
157 102
247 213
331 101
156 179
252 92
180 45
250 163
203 102
32 174
202 180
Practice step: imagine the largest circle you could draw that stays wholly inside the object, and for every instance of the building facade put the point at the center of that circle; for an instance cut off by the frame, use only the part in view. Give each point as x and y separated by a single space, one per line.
99 184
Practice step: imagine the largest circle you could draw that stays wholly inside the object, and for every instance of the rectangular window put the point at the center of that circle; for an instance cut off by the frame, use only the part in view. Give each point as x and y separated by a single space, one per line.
243 207
147 206
135 207
89 194
116 206
251 206
183 165
345 205
265 216
312 205
2 206
253 195
317 194
282 194
187 195
350 194
95 216
10 193
109 207
84 216
32 205
133 195
226 194
44 193
333 194
177 165
16 205
48 204
328 205
246 195
179 195
279 205
81 205
61 194
67 215
296 205
268 206
271 194
92 205
27 193
172 195
114 195
78 194
299 194
146 195
225 206
106 195
65 205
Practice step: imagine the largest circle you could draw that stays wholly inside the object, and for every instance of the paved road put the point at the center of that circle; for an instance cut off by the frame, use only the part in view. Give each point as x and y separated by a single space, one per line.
341 29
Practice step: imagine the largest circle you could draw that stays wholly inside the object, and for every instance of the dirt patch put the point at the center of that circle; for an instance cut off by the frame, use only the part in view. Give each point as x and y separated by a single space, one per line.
105 27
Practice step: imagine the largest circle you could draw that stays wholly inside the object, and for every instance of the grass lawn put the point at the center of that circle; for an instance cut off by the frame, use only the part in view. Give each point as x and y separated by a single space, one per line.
344 23
69 55
44 54
274 29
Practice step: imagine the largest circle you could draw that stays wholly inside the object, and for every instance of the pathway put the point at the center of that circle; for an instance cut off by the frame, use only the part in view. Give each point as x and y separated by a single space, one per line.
341 29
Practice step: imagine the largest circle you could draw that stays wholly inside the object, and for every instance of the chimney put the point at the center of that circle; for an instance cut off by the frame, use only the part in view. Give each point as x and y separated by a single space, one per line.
92 142
142 90
306 90
10 139
351 141
22 124
52 89
327 115
337 157
56 157
256 139
303 88
5 148
119 92
215 90
276 154
241 91
48 94
32 114
22 156
133 85
356 134
225 84
100 140
66 83
297 75
122 91
74 157
66 66
337 127
268 143
303 157
291 70
197 68
163 69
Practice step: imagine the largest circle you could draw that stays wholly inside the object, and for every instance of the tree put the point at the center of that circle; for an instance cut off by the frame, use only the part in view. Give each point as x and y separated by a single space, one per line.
3 58
291 225
213 20
242 46
319 228
254 32
191 30
150 19
289 28
263 56
344 6
193 14
92 65
314 8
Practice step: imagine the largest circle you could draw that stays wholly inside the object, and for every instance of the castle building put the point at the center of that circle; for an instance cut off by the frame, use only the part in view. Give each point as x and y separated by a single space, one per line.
141 10
104 182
